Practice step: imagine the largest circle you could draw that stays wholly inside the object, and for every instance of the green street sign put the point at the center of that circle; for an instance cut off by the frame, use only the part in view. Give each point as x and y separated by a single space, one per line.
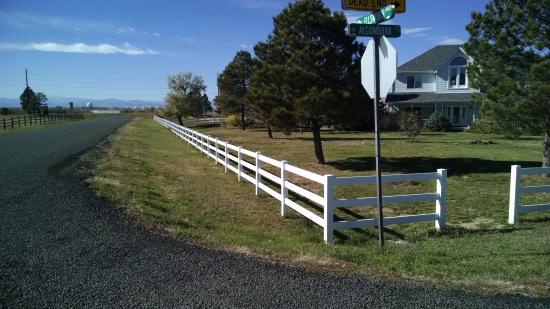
390 31
377 17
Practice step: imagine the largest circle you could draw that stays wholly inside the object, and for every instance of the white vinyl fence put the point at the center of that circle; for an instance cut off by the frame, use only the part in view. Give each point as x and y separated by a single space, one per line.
239 161
515 207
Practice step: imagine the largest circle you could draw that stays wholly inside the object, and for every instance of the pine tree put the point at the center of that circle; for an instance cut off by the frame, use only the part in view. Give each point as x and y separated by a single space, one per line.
509 44
233 86
317 58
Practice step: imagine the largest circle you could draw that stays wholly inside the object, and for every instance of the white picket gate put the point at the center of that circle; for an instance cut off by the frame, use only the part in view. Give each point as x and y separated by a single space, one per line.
515 208
234 158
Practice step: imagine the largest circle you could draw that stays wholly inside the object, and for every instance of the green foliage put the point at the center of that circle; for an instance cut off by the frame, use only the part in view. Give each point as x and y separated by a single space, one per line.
29 101
233 86
233 120
206 104
310 60
484 126
185 95
409 124
509 43
438 123
5 111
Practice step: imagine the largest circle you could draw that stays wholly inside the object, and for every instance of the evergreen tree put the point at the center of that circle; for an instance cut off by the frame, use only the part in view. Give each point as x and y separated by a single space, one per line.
317 60
233 86
29 101
184 97
268 96
509 43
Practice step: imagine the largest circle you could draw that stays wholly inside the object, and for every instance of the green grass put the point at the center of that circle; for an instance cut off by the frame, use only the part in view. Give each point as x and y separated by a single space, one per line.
164 182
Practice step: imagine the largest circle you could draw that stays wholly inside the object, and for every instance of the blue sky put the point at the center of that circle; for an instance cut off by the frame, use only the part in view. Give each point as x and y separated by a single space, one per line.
125 49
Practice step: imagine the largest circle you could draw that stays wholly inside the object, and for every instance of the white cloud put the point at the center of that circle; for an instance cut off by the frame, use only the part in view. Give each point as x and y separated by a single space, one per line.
81 48
417 30
125 30
21 20
244 46
450 41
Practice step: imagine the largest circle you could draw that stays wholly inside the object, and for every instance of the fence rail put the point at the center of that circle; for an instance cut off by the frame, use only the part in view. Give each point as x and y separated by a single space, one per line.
249 166
8 123
516 190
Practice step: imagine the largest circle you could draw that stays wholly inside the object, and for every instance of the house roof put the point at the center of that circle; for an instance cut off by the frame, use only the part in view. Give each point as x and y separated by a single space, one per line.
429 97
431 60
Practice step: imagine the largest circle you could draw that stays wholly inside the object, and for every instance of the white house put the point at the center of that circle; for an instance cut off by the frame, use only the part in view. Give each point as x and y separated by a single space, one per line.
436 81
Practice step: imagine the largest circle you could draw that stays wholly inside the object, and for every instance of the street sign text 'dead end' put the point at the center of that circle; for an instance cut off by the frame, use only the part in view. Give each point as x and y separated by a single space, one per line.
373 5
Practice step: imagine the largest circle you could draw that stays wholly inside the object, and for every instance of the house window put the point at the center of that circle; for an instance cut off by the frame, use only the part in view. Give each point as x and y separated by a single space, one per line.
414 81
457 73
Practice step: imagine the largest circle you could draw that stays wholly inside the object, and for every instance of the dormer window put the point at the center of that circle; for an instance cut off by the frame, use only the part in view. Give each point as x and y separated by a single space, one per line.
457 73
414 81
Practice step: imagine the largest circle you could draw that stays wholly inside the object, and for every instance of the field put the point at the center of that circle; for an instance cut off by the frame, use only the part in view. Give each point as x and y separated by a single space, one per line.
165 183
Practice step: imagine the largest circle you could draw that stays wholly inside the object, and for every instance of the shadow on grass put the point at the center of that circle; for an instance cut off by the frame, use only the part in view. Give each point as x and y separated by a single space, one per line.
455 166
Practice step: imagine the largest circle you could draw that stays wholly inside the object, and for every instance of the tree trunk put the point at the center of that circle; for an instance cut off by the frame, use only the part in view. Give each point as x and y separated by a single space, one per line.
242 117
269 132
316 129
546 151
180 120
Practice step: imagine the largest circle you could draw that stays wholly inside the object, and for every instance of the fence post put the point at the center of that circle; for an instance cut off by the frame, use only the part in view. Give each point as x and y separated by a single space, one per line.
4 122
225 159
216 150
328 210
19 121
441 202
239 165
25 120
515 187
284 190
12 123
258 176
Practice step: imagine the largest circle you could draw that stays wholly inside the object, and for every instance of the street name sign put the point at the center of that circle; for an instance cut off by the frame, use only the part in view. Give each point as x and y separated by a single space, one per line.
388 68
373 5
377 17
390 31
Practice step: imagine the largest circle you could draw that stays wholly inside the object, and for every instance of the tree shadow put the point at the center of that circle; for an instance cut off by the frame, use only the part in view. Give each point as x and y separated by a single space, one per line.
455 166
336 139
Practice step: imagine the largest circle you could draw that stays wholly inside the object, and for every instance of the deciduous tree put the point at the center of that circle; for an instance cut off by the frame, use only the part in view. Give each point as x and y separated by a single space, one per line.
184 97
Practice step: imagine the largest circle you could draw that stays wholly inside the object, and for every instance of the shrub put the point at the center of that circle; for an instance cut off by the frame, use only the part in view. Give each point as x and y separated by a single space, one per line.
233 120
438 123
4 111
484 126
409 124
389 122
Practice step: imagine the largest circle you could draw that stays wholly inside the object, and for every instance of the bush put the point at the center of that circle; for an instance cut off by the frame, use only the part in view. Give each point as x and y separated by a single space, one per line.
389 122
438 123
409 124
484 126
4 111
233 120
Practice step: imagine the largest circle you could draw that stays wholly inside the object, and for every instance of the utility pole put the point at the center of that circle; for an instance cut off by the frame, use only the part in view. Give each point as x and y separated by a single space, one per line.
27 88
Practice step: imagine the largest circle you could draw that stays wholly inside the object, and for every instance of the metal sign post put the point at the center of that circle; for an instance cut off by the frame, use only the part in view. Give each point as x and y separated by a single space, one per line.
377 141
379 86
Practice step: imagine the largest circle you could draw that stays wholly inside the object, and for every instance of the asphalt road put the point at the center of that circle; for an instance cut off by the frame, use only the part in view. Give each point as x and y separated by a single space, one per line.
61 246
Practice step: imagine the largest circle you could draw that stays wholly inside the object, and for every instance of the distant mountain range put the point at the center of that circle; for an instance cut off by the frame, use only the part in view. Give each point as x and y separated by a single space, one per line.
54 101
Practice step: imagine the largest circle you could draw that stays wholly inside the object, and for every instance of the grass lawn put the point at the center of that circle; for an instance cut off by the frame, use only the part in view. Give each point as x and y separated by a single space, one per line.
163 182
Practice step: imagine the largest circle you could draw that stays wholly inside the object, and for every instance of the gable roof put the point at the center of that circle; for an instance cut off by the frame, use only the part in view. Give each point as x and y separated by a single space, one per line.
431 60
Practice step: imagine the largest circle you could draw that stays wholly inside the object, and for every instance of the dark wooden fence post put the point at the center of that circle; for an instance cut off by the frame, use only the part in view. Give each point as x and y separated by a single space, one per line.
12 123
4 121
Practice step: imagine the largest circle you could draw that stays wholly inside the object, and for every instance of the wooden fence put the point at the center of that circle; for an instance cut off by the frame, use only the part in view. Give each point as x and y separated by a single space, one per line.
251 166
516 190
7 123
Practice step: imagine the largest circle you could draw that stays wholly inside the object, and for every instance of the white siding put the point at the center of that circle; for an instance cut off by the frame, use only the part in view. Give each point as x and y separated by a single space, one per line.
442 77
428 83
